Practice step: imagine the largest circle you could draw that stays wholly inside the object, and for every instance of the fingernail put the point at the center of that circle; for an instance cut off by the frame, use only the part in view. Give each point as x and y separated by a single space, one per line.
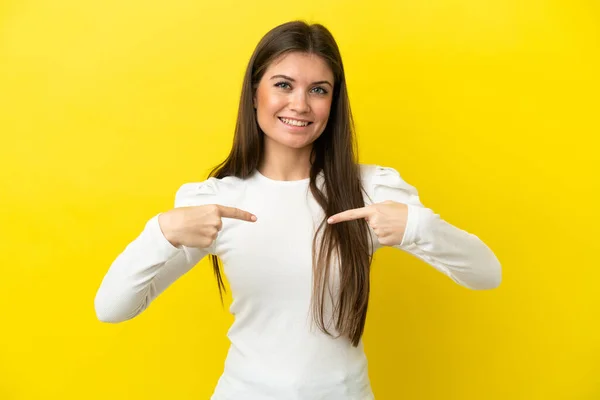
253 218
330 220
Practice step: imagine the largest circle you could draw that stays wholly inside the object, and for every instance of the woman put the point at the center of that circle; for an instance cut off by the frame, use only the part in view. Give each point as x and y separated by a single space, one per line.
295 220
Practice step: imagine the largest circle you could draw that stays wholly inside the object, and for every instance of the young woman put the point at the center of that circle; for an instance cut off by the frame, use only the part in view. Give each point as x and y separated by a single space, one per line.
295 220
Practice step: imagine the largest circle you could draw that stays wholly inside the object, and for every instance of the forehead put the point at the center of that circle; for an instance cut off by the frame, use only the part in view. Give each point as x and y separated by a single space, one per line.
301 67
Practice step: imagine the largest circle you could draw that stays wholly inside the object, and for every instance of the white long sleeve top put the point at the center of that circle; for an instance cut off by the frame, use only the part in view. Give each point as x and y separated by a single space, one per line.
276 353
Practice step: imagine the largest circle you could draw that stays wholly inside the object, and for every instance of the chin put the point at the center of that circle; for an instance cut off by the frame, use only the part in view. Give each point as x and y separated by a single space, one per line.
294 143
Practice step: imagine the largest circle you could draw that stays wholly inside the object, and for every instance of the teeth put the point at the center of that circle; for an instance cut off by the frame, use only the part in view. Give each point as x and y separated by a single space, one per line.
294 122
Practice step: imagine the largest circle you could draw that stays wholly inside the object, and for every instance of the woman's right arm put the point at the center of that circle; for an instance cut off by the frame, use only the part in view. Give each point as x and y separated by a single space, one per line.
145 268
170 245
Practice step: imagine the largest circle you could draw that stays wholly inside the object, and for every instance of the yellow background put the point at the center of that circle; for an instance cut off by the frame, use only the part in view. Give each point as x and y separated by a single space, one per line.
490 108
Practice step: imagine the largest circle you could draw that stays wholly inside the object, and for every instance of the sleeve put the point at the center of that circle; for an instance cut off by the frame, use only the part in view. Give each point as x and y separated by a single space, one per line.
150 263
458 254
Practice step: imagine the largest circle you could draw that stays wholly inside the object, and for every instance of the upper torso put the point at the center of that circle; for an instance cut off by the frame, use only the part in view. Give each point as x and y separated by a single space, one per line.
276 351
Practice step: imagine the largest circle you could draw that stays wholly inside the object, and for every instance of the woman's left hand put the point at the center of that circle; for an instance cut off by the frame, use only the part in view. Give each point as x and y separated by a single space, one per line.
387 219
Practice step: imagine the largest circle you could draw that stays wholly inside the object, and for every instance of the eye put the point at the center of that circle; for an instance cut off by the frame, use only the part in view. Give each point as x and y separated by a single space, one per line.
320 90
282 85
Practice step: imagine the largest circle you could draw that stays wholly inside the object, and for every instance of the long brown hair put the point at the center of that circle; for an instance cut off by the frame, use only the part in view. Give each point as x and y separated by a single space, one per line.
334 155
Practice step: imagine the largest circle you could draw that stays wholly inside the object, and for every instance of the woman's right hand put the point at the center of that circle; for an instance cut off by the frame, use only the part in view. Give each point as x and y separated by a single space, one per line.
198 226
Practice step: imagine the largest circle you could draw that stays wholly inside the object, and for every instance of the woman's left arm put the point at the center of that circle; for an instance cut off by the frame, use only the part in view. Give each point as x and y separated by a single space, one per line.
399 219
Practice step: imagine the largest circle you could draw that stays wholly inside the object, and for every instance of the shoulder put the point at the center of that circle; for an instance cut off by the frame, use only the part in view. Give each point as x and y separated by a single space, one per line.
374 175
386 183
210 191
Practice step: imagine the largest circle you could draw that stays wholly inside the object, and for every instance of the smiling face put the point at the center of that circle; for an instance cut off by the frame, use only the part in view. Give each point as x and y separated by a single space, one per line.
293 100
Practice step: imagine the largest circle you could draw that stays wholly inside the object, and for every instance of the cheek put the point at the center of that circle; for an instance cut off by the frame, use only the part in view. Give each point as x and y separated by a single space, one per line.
267 108
322 110
269 104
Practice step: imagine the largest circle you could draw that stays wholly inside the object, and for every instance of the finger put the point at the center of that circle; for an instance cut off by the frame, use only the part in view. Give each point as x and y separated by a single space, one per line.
236 213
348 215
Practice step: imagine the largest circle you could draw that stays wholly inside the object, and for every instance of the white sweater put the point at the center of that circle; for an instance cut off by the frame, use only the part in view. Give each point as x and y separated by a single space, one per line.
275 352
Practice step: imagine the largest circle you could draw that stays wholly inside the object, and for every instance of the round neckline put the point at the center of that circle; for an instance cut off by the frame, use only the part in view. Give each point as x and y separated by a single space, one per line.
278 182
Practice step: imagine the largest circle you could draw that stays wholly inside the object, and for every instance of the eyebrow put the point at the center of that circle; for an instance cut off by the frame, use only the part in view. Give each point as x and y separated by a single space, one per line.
293 80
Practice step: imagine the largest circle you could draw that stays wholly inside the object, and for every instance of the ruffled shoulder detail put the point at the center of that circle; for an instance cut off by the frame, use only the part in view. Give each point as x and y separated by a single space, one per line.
210 191
385 183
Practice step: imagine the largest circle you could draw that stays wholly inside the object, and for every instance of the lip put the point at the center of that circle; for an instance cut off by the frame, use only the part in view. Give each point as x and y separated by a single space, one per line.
294 128
295 119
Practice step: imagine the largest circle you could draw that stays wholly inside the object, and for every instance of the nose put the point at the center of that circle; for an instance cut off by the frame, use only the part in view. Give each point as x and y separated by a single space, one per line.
299 103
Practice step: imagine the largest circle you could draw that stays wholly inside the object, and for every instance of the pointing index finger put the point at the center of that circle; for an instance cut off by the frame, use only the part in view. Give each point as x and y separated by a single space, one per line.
349 215
236 213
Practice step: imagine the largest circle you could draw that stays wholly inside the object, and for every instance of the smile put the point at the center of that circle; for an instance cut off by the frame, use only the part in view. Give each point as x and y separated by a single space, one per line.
294 122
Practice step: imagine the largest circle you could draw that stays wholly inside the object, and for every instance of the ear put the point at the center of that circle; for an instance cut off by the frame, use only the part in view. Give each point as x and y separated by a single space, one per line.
254 101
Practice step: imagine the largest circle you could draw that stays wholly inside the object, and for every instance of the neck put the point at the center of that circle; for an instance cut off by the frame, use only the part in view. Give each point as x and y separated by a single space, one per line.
284 163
